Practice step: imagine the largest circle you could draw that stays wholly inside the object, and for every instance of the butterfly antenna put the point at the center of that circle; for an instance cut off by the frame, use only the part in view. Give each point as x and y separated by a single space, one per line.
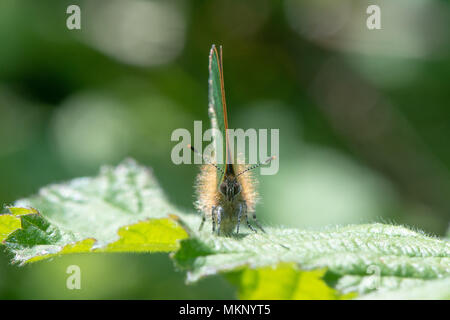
207 160
257 165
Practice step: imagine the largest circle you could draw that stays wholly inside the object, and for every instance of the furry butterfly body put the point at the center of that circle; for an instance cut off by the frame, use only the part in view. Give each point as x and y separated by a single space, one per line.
211 202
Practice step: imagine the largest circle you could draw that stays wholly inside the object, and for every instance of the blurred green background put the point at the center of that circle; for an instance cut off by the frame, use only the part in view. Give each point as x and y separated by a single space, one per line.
364 116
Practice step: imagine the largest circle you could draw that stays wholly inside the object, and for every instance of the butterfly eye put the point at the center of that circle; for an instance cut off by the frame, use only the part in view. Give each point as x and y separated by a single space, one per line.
237 189
223 188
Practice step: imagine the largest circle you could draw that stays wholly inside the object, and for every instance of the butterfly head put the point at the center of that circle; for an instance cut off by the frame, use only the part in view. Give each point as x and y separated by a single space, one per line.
230 188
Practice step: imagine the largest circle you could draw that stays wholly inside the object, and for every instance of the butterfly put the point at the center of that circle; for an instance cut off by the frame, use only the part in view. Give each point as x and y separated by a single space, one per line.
225 189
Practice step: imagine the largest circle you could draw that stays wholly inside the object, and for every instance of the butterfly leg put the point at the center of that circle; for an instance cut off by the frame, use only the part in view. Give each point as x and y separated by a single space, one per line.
213 218
203 221
242 210
257 223
249 225
219 218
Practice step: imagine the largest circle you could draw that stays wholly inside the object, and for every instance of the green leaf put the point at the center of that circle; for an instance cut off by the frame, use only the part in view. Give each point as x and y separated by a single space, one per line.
358 258
122 209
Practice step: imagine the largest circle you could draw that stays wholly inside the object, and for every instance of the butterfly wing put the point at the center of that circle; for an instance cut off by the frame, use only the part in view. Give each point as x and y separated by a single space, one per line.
218 111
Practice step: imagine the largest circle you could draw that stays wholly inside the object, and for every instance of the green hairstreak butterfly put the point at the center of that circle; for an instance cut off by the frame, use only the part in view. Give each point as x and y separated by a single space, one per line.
225 189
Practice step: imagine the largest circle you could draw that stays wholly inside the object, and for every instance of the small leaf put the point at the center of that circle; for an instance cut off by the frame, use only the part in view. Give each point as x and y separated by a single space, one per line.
8 224
21 211
159 235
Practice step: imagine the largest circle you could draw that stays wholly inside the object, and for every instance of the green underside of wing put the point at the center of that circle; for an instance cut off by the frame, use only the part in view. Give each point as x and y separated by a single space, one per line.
216 111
